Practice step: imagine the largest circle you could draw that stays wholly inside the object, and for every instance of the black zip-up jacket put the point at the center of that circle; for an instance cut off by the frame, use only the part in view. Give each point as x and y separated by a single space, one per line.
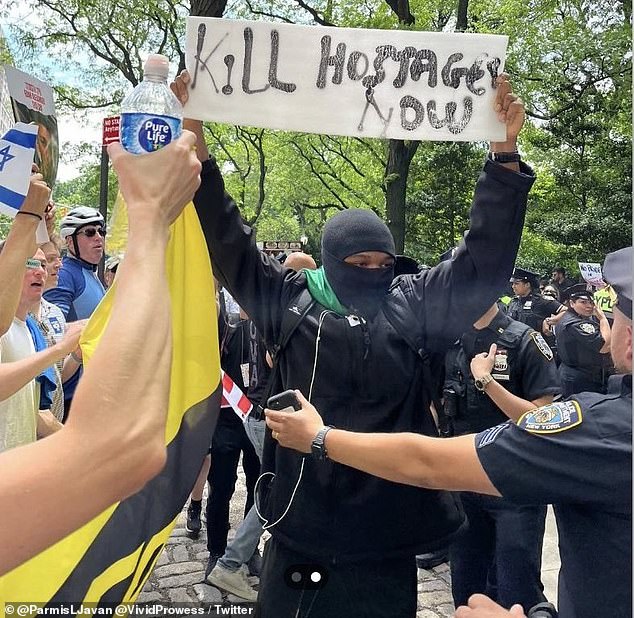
366 377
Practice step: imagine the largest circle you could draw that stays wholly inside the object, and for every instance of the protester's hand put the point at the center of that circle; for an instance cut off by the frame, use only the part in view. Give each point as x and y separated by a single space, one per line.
481 364
295 430
598 312
180 86
37 196
49 217
480 606
70 340
510 110
159 183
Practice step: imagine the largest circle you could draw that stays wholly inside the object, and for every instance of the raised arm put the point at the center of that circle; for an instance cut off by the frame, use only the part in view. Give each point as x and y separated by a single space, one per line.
257 282
19 246
116 428
451 296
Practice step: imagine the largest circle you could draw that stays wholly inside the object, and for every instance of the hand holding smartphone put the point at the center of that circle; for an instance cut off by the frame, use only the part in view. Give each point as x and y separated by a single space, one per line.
284 402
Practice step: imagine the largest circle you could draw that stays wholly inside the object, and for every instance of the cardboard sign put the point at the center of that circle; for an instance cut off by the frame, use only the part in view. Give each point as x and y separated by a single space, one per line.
344 81
591 273
32 101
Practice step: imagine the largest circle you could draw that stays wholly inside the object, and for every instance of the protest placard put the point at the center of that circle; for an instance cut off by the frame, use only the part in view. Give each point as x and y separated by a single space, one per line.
344 81
32 101
591 273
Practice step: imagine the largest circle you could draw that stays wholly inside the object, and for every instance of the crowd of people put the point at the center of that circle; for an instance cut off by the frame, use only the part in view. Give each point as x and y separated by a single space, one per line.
427 388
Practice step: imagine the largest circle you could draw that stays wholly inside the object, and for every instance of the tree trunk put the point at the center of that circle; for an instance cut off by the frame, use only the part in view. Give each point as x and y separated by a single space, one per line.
400 155
461 18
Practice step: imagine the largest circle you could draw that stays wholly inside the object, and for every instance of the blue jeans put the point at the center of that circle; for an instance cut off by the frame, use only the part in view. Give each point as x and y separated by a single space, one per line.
247 538
499 553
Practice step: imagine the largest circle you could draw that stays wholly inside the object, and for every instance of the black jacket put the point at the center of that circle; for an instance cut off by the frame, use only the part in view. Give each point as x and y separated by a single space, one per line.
367 378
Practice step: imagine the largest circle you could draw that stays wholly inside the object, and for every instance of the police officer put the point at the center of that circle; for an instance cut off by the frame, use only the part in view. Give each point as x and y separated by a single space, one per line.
528 306
583 343
575 454
502 545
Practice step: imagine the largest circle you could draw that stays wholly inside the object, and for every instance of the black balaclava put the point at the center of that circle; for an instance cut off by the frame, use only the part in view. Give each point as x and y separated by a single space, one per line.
347 233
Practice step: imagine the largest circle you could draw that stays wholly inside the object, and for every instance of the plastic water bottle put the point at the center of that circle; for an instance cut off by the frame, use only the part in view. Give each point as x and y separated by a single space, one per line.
151 117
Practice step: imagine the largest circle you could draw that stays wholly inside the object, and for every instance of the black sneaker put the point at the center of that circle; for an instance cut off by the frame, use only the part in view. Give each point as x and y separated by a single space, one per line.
211 563
432 558
194 524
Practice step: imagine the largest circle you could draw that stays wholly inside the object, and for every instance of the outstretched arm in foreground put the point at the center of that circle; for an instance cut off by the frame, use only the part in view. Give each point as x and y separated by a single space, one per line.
116 428
436 463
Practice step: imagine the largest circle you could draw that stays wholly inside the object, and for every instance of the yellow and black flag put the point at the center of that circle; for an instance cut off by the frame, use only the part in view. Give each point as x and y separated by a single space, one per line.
109 559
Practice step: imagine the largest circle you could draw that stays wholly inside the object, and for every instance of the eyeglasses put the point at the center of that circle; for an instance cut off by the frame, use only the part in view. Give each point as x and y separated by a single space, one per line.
92 231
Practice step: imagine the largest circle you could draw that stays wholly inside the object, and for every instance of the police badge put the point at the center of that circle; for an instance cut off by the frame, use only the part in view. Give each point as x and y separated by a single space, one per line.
587 328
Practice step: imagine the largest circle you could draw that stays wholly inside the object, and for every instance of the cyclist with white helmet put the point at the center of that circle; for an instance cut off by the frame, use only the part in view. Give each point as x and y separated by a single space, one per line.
78 290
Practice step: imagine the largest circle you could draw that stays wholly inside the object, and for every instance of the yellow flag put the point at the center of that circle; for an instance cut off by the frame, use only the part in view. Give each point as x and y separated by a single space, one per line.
110 558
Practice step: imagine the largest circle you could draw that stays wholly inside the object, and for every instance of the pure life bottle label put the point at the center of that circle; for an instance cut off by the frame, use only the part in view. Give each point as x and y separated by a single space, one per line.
143 133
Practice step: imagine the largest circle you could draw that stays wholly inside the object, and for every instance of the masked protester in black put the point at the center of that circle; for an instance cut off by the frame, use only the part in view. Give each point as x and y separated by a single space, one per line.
360 284
357 353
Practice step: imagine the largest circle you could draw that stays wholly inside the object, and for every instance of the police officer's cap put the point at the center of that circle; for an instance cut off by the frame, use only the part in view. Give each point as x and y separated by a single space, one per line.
577 291
521 274
617 271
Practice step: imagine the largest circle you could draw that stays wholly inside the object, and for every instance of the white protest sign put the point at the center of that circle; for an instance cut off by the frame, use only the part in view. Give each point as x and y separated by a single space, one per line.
591 273
30 91
344 81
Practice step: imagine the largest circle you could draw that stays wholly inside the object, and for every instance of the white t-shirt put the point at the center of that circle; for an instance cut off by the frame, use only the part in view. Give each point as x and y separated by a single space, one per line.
18 413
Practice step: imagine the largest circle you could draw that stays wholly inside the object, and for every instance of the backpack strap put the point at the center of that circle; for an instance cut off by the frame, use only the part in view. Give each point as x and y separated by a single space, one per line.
293 315
401 317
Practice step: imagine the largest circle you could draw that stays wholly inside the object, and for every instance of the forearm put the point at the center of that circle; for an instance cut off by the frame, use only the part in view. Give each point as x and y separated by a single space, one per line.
132 363
47 424
196 127
606 334
412 459
19 246
69 368
512 405
13 376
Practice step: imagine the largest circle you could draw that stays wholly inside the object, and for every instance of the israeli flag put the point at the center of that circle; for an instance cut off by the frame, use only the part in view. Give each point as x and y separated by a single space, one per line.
17 149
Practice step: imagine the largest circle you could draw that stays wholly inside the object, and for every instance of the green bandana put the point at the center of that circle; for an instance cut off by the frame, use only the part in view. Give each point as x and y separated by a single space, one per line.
321 291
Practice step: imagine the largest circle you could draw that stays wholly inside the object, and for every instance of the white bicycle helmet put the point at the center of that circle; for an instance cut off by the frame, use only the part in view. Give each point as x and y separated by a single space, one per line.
77 218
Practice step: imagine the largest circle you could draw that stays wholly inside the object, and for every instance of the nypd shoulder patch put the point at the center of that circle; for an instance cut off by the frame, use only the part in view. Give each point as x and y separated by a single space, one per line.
587 328
553 418
542 346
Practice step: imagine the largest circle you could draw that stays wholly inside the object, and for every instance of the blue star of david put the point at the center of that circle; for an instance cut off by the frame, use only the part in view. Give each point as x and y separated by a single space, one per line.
6 157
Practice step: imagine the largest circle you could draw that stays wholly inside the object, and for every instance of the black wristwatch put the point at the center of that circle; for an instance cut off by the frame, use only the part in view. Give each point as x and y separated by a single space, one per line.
318 446
505 157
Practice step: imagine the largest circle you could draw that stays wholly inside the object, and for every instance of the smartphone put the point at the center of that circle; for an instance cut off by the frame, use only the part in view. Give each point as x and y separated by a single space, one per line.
284 402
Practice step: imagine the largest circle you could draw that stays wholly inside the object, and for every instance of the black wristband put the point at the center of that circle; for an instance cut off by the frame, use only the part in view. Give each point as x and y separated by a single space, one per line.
505 157
32 214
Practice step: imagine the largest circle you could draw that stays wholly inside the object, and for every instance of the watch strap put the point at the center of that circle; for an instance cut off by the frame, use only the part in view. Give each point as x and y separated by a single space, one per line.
318 446
505 157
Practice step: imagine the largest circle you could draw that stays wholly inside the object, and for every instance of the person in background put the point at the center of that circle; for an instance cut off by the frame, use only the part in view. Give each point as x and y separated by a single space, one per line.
583 342
78 290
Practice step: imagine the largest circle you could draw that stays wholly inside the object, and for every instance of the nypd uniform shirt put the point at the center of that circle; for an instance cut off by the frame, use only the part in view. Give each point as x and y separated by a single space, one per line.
528 372
532 310
579 340
576 455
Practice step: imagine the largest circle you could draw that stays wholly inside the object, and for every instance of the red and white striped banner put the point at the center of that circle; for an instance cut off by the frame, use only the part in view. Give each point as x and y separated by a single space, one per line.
234 398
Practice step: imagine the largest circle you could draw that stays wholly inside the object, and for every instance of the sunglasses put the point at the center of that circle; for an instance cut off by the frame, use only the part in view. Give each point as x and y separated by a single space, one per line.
93 231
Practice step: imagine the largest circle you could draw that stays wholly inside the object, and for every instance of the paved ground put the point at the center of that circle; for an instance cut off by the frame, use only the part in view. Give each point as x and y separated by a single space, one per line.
179 574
